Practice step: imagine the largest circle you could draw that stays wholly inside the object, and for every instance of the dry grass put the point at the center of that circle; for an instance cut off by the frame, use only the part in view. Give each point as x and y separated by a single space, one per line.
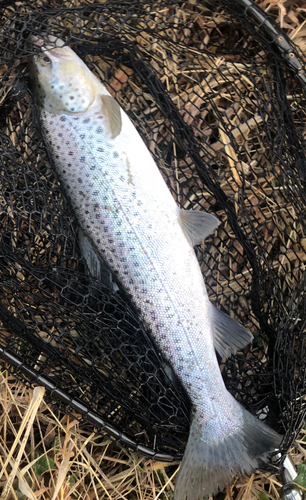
81 464
48 455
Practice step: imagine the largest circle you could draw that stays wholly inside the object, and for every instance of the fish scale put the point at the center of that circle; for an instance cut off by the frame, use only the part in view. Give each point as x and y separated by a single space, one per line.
123 221
131 221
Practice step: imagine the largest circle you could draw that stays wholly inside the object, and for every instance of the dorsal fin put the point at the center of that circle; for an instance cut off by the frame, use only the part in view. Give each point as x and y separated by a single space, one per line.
197 225
94 264
112 112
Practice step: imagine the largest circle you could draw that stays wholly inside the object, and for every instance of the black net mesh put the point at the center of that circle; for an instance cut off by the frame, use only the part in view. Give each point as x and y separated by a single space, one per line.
218 95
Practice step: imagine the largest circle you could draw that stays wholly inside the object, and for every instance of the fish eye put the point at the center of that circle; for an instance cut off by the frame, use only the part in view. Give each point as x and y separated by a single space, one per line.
45 60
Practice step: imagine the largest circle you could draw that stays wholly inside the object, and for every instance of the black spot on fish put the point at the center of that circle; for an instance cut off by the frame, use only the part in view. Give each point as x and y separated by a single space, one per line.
82 136
99 130
80 180
63 118
70 153
58 147
68 164
72 109
60 135
72 97
67 143
115 154
52 86
82 159
98 216
56 156
87 120
101 150
98 241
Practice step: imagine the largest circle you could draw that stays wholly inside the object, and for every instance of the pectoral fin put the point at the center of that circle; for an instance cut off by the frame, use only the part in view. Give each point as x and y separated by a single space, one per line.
112 112
197 225
229 335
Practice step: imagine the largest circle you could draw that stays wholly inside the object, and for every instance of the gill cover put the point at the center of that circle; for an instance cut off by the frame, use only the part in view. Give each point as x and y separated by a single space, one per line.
64 82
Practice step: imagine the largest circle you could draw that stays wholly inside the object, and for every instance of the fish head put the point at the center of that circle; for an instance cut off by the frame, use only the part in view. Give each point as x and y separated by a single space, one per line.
62 82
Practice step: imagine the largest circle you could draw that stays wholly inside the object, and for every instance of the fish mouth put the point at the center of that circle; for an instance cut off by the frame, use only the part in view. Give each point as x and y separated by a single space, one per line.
48 43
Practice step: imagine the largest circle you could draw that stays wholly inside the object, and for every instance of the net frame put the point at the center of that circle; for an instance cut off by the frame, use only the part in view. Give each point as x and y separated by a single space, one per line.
280 48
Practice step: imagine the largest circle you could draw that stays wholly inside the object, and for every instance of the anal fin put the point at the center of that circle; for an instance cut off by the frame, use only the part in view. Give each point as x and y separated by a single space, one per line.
229 335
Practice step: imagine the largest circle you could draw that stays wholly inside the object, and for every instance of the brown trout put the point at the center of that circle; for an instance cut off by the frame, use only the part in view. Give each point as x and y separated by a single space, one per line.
131 221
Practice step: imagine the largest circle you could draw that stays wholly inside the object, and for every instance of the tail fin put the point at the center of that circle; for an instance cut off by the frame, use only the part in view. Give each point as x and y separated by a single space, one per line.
207 468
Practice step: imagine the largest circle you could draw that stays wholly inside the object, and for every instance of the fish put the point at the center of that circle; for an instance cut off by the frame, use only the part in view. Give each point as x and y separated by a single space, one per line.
132 223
